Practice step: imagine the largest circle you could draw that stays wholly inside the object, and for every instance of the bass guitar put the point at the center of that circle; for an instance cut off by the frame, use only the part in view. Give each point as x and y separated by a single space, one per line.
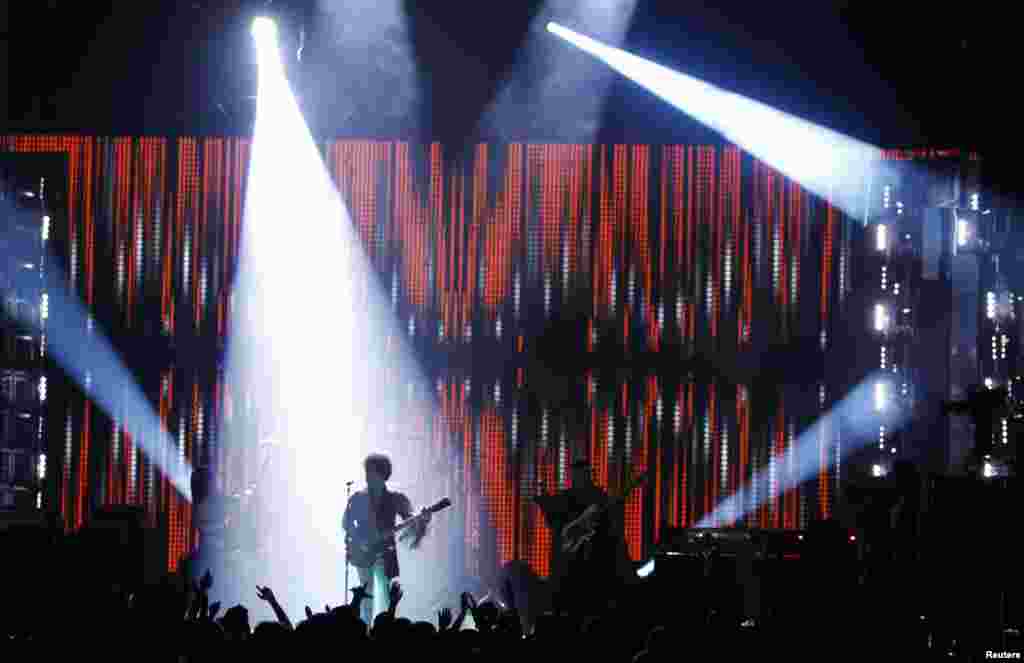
365 554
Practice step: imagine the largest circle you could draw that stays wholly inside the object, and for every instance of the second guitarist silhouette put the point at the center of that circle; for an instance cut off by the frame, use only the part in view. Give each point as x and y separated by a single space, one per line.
370 511
584 580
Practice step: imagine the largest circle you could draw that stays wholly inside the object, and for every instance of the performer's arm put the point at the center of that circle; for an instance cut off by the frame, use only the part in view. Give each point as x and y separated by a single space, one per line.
417 531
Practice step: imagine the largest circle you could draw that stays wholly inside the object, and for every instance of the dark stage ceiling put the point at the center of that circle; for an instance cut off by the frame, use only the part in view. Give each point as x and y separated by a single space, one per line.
895 74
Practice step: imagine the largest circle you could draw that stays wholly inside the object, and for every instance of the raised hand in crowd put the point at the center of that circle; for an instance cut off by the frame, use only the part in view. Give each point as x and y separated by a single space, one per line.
201 597
444 620
206 582
466 604
267 594
394 597
359 594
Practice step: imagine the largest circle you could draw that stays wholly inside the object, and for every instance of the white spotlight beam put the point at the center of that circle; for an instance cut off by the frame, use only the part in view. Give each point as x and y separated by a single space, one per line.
827 163
306 343
856 413
94 365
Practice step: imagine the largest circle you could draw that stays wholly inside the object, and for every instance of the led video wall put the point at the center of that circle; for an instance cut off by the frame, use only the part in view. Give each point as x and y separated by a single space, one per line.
642 305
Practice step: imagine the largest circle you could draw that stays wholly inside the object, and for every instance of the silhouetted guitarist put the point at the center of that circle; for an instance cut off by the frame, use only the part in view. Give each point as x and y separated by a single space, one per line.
368 513
589 560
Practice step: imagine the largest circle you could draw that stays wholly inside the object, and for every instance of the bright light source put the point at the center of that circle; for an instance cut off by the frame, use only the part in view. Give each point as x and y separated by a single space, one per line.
990 305
882 237
877 470
962 232
881 317
989 470
975 202
881 395
264 30
988 383
646 570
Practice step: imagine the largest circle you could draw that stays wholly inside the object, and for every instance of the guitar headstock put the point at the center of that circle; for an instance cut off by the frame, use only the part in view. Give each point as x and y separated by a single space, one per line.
441 505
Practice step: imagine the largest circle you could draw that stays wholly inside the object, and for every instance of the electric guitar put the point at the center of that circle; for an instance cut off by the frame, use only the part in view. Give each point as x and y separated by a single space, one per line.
583 529
365 554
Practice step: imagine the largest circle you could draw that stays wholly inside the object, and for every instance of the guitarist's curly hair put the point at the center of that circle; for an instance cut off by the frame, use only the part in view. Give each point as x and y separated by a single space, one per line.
378 463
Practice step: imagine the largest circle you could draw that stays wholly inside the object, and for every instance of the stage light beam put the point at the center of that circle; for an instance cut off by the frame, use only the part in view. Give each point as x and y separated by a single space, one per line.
306 345
90 360
825 162
856 411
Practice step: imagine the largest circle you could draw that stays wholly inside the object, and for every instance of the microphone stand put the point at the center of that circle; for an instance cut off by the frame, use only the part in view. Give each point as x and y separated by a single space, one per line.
348 493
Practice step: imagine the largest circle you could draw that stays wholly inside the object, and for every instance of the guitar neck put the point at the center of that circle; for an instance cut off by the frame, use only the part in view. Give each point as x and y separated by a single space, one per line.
394 529
400 526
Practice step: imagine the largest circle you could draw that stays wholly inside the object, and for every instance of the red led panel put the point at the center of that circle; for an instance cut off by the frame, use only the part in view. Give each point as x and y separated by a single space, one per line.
824 448
743 424
497 486
796 226
654 451
675 218
778 459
